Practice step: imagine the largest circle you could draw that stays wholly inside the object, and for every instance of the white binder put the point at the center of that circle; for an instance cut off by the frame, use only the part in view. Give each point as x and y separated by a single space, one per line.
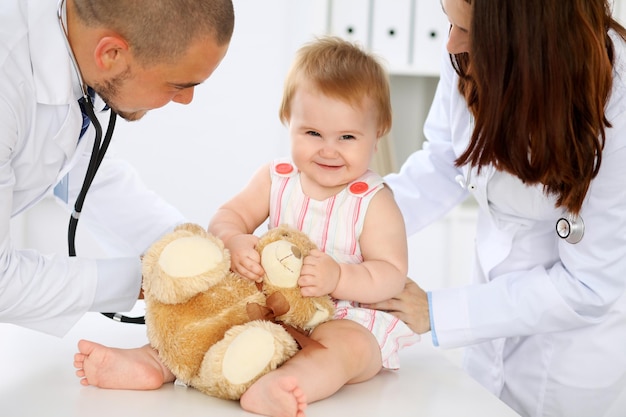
431 31
391 32
349 19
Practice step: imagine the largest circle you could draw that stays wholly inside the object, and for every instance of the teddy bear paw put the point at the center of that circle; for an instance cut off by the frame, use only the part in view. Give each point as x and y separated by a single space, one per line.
183 264
245 353
322 313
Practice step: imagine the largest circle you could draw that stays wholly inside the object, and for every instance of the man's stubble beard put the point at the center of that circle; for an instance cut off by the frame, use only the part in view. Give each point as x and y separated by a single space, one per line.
108 90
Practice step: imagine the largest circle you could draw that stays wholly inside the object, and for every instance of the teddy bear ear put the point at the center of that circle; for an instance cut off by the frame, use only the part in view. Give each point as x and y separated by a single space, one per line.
193 228
289 234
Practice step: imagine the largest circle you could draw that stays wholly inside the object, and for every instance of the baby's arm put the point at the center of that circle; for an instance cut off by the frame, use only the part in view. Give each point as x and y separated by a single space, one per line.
383 272
236 220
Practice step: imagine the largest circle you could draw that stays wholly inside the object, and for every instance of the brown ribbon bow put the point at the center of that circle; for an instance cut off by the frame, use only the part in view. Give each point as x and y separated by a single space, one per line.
276 306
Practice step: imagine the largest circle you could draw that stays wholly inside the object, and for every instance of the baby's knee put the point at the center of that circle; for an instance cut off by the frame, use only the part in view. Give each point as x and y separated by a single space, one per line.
349 336
361 352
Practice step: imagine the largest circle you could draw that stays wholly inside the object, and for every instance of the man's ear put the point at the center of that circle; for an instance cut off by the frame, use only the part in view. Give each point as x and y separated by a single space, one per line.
111 52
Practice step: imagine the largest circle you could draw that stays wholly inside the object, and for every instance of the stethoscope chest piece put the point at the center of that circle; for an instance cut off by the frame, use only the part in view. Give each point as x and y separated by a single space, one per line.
571 229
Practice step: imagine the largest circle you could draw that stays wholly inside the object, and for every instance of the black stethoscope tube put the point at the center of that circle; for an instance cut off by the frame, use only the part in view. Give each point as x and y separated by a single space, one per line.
100 147
97 154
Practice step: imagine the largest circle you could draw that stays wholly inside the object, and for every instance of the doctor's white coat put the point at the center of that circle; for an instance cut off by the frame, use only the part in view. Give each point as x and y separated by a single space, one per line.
543 320
40 121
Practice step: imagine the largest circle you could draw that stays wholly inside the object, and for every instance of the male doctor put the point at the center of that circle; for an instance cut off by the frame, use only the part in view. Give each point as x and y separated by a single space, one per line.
49 54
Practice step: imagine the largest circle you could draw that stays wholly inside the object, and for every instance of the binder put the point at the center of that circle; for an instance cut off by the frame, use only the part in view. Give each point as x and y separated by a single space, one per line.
349 19
431 31
391 31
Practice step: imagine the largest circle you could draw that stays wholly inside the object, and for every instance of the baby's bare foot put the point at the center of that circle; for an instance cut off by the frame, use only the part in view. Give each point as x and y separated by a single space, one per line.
276 396
106 367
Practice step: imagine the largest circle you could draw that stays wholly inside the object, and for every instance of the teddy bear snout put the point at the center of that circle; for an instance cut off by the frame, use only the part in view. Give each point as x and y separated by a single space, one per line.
282 262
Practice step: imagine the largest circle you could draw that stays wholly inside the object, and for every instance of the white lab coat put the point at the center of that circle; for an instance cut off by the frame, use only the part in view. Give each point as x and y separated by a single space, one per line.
40 122
543 320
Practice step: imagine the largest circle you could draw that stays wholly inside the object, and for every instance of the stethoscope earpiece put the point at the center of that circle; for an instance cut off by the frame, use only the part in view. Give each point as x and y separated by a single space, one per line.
464 182
571 229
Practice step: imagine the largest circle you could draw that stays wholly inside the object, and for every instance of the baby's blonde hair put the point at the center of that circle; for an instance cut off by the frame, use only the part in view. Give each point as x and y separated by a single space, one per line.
342 70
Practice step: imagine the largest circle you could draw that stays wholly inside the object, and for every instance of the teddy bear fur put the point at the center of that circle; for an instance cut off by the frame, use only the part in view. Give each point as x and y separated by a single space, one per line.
202 318
285 248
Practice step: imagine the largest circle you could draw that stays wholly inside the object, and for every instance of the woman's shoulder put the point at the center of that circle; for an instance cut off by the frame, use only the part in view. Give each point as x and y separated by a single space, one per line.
616 106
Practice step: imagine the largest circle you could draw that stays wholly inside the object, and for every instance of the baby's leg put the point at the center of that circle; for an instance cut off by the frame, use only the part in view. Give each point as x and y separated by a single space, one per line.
351 355
106 367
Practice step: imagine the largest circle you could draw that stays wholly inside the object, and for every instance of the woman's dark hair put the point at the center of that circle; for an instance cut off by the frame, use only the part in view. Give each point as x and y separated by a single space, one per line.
537 80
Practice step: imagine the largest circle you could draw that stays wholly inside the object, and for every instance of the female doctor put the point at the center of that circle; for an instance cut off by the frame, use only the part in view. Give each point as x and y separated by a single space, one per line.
49 54
529 118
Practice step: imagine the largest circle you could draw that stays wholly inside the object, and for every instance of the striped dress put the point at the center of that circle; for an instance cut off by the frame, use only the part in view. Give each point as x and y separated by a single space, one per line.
335 226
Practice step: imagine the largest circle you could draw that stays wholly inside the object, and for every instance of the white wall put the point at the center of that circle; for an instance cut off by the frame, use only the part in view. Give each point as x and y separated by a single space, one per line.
198 155
619 10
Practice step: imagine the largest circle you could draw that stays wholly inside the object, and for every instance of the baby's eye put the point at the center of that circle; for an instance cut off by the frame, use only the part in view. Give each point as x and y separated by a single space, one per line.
347 137
312 133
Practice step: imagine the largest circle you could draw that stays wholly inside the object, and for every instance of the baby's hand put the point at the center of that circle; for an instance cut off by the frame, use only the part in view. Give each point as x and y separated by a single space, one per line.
319 275
244 258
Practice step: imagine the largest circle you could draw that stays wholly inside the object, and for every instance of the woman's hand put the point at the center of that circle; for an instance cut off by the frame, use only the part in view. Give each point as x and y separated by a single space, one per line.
410 306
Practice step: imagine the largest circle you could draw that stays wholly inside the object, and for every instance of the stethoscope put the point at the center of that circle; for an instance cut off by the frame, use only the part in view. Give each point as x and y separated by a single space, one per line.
571 228
97 154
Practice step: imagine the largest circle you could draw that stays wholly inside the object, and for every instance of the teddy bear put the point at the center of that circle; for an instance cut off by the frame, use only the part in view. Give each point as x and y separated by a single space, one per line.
215 330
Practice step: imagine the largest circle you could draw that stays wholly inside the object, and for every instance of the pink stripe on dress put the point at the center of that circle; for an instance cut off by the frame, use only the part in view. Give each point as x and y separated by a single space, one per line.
355 217
279 198
303 211
328 216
